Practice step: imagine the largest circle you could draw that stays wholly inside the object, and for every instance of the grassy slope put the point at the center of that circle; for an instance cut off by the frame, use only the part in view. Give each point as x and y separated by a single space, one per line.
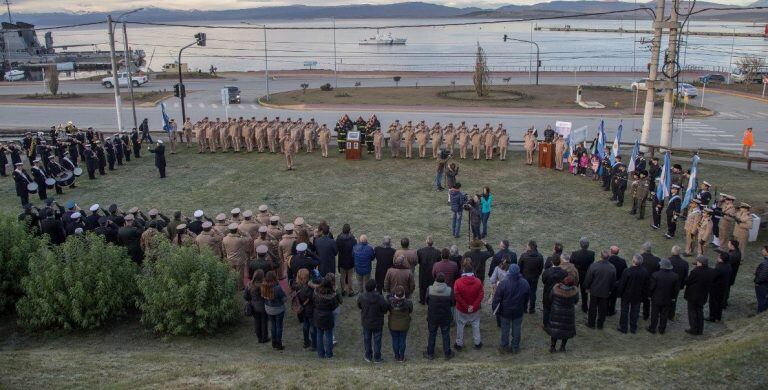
393 197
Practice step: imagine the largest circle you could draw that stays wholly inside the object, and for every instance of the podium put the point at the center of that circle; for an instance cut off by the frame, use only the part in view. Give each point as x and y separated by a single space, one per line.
546 155
354 145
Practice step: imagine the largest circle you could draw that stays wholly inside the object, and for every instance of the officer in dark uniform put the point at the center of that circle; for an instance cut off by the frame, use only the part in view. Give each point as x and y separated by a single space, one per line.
109 148
673 211
159 152
53 227
80 137
126 147
101 157
39 175
75 222
43 151
640 163
614 172
108 230
549 134
3 160
15 154
55 169
92 221
72 150
136 143
606 165
89 135
704 195
118 145
22 180
129 236
90 162
620 183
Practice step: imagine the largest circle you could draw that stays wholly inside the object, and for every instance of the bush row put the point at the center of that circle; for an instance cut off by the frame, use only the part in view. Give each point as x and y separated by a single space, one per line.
85 283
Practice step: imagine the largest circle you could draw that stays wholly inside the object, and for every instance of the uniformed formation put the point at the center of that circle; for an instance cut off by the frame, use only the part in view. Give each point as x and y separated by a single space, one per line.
54 159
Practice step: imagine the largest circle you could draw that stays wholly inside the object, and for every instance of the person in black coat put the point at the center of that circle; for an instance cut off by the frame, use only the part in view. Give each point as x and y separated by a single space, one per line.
108 230
144 129
582 259
696 293
54 228
372 307
734 259
562 319
632 287
91 161
22 179
662 289
427 256
39 175
159 152
326 250
620 265
531 265
556 253
599 282
101 158
673 210
345 242
3 160
551 276
129 236
721 284
651 264
109 148
136 142
384 255
504 253
126 147
680 267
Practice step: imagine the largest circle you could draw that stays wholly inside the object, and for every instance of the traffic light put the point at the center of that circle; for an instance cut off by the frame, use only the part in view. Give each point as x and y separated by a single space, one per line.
179 90
200 37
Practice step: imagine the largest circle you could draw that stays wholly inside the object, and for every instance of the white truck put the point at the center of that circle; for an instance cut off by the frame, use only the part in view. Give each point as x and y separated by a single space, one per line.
122 78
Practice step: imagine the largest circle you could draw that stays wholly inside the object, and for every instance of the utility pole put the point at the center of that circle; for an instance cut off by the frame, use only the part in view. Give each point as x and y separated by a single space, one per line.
335 75
266 63
671 70
127 60
652 74
115 81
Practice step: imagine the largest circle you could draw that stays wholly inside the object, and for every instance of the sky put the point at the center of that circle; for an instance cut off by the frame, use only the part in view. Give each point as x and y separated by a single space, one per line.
108 5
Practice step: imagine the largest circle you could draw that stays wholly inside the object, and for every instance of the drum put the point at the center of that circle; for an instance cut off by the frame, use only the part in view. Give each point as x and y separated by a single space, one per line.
65 179
50 183
77 172
32 188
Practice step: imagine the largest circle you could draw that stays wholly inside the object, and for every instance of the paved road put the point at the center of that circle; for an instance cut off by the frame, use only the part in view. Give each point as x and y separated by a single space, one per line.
722 131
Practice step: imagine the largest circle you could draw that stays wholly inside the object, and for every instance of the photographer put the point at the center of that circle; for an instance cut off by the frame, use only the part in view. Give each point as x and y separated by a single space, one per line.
442 159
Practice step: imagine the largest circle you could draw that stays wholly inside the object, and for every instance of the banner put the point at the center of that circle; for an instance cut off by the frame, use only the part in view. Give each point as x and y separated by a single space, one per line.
563 128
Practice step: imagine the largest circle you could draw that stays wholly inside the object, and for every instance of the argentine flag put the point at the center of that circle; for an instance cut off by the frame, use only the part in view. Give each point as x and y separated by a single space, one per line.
616 144
665 180
690 192
635 152
600 145
166 121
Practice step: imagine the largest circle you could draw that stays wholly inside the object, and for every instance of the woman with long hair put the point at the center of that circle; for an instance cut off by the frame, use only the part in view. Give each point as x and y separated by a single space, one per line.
305 292
252 296
274 306
486 200
326 302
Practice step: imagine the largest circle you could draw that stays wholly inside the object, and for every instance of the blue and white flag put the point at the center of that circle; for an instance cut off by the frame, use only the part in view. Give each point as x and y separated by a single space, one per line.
665 180
635 151
616 144
600 147
166 121
690 192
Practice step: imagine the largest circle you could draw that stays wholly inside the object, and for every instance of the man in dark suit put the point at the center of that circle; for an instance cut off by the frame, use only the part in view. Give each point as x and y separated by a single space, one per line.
159 152
582 259
662 288
680 267
696 293
632 288
22 180
620 265
40 175
651 264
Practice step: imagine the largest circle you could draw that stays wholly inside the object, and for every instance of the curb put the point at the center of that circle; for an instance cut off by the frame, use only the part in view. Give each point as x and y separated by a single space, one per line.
738 94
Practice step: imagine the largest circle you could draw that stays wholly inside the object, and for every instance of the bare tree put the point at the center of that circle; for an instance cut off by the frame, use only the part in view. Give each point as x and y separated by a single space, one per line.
482 83
52 79
304 87
397 80
749 66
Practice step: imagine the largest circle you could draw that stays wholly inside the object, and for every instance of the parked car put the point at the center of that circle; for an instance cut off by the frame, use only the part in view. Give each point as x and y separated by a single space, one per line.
234 94
122 79
712 78
642 85
15 75
757 77
685 89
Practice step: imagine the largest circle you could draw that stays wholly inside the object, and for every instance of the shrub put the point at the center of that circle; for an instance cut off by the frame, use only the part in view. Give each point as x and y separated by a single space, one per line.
80 284
186 292
17 244
326 87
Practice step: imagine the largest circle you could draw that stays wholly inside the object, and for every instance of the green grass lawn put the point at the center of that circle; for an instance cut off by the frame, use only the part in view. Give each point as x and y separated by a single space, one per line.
394 197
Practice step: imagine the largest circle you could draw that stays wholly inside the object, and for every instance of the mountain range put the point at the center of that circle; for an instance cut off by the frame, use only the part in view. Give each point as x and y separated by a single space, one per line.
411 10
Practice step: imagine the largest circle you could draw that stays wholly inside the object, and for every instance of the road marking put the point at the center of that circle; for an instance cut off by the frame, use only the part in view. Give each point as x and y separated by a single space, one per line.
240 106
202 105
214 105
176 105
723 135
189 105
762 114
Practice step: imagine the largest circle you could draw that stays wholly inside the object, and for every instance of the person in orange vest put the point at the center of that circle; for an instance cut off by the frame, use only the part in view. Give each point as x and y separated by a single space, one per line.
748 141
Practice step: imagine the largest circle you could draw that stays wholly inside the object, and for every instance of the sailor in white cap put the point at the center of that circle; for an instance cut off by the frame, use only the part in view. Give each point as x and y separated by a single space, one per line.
704 196
301 260
196 226
159 152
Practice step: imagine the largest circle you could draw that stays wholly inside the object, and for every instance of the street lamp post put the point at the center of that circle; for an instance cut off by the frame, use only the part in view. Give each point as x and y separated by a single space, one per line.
538 63
127 60
266 57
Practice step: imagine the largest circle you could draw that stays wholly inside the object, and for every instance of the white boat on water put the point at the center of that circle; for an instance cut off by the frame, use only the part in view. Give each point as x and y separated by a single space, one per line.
383 40
14 75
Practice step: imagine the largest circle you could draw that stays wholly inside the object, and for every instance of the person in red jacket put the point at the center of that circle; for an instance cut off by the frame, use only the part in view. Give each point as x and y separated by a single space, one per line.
468 293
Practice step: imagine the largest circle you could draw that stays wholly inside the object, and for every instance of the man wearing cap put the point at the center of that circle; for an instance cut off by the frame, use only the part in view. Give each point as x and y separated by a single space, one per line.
696 293
395 134
51 226
727 221
196 226
171 228
101 158
221 225
692 226
159 152
91 160
248 226
301 260
140 220
263 216
161 221
75 222
149 237
236 218
640 196
22 179
92 221
129 236
55 169
300 225
704 231
704 196
264 261
237 250
662 290
673 211
209 239
264 238
39 175
619 180
285 245
743 220
274 228
287 143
